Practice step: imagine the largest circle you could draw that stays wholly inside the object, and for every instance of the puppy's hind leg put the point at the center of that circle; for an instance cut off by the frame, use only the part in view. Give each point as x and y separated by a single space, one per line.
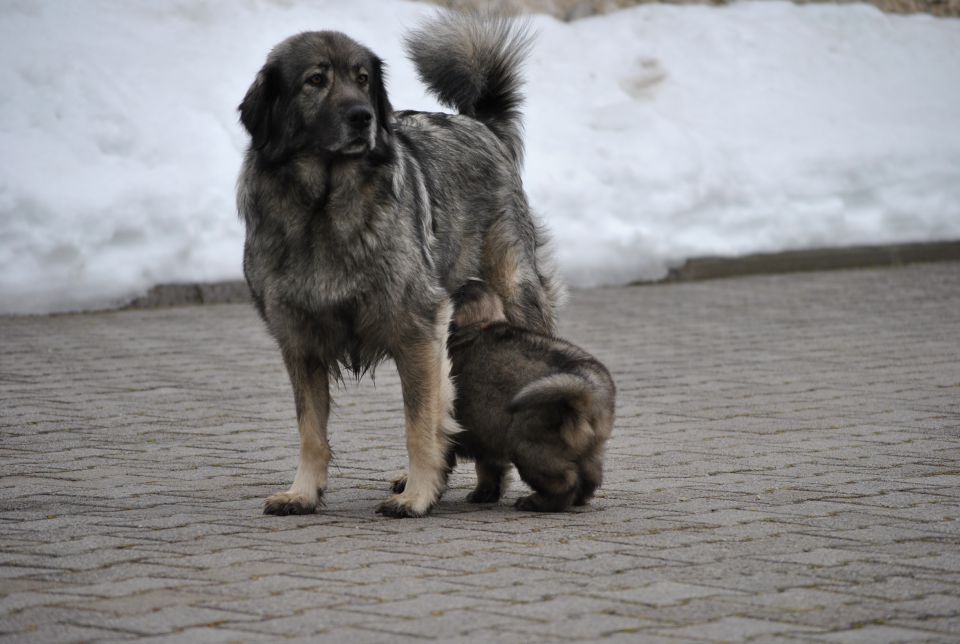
311 390
491 481
424 369
491 472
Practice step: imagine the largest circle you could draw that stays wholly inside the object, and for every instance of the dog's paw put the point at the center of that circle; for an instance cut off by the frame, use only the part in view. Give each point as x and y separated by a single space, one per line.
484 495
397 508
284 503
399 484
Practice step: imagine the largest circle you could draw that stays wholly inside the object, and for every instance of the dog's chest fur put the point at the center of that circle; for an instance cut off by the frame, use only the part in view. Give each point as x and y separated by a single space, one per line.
361 252
325 259
314 232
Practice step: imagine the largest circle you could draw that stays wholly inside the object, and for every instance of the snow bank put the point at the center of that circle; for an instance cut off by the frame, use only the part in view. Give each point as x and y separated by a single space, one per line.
654 134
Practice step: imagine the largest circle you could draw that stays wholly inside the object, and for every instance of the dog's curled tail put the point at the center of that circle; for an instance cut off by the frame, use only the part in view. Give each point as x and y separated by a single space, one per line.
472 61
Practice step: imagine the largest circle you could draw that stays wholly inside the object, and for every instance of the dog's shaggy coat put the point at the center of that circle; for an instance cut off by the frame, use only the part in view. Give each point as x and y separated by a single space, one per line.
361 221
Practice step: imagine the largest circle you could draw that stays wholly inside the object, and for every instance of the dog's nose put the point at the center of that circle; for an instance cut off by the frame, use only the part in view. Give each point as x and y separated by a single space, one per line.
359 116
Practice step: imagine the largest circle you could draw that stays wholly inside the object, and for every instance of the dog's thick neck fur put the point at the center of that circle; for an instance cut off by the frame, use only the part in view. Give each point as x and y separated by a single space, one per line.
312 173
315 205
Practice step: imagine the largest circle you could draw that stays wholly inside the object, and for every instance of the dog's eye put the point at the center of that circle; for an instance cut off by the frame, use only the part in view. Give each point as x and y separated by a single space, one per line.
362 78
317 80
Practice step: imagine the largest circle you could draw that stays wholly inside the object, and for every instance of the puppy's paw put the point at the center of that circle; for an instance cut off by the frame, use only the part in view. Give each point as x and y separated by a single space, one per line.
538 503
399 508
527 503
582 499
484 495
399 484
284 503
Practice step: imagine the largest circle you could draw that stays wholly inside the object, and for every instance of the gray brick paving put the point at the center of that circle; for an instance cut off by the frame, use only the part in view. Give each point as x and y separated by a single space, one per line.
784 468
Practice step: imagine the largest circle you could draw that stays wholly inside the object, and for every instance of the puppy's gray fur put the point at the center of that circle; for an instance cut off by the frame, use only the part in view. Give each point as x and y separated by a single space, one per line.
529 399
360 222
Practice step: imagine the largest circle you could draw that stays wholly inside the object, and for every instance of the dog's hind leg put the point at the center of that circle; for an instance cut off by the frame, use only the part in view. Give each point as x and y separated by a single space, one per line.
424 369
311 390
398 484
509 266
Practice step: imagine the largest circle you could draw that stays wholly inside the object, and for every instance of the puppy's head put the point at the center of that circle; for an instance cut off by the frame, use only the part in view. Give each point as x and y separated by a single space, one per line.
476 304
318 92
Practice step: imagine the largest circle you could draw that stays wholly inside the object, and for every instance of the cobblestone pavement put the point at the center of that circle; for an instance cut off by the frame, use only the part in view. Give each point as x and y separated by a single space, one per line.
784 468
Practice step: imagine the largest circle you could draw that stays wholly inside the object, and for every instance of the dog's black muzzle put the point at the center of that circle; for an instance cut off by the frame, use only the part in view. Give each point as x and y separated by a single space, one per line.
359 117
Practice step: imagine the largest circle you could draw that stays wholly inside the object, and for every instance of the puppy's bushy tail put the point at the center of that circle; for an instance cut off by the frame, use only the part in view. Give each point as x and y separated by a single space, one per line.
573 390
472 61
588 399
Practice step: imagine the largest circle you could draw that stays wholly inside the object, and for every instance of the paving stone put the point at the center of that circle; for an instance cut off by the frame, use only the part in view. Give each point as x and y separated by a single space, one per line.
946 627
145 602
879 634
307 622
836 617
169 619
665 593
62 634
206 635
588 626
782 469
737 628
929 607
442 625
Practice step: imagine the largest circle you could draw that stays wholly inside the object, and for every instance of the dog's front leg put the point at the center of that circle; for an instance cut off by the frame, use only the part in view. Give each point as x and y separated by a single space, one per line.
428 406
311 391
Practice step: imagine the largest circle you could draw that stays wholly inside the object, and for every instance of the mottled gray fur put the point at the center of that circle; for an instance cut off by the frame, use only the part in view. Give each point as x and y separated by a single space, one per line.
529 399
360 222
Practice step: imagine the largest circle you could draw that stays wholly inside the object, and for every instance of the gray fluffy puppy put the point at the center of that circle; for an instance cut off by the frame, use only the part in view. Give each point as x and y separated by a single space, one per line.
529 399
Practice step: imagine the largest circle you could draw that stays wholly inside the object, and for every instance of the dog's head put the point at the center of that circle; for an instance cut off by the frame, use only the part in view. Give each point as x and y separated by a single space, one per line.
318 92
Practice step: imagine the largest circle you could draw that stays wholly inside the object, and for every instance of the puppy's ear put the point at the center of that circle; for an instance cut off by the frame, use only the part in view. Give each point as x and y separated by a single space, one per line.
260 109
378 90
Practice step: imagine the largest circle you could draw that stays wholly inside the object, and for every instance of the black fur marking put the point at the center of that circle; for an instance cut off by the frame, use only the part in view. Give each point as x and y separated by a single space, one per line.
381 101
265 113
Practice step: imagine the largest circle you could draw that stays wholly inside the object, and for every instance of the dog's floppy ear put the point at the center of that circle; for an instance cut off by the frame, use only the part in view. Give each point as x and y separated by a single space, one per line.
378 90
260 110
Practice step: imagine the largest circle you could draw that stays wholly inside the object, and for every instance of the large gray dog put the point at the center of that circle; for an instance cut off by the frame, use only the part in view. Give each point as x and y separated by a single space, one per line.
361 221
